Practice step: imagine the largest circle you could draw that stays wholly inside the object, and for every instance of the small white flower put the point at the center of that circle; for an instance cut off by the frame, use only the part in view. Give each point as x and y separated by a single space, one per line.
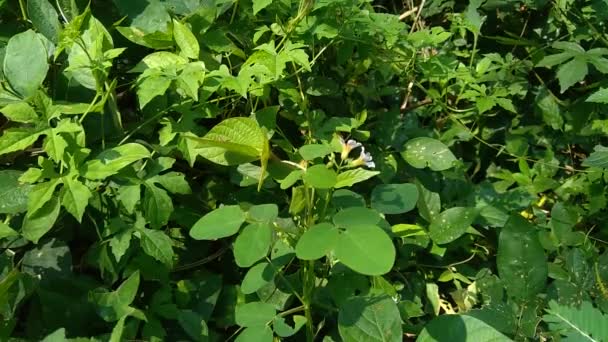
348 146
365 158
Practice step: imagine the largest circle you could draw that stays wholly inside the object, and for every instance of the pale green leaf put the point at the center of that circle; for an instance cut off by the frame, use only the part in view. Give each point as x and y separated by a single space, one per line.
451 224
13 194
25 62
18 139
351 177
394 198
75 197
259 5
422 152
19 112
370 319
254 314
252 244
570 73
157 206
38 223
366 249
186 41
317 241
111 161
45 19
157 244
320 177
151 87
459 328
600 96
222 222
41 193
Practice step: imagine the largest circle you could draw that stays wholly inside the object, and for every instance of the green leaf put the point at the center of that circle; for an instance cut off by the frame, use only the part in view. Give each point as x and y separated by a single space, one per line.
459 328
585 323
18 139
252 244
314 151
255 334
394 198
193 324
233 141
25 62
320 177
351 177
598 158
174 182
423 152
282 329
188 45
19 112
572 72
13 194
120 243
112 306
259 5
157 244
37 224
75 197
344 198
263 213
254 314
451 224
54 145
366 249
317 241
220 223
6 231
258 276
45 19
111 161
41 193
118 330
521 260
151 87
129 196
600 96
157 206
370 319
356 216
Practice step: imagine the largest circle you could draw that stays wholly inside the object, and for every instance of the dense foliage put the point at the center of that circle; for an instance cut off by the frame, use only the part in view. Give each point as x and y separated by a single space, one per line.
327 170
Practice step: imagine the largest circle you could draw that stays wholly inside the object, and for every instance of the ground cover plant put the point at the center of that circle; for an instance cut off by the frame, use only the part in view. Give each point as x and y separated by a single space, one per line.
303 170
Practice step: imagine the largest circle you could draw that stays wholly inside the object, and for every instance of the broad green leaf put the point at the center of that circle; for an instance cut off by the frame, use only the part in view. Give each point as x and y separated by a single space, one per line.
584 323
429 203
364 319
174 182
344 198
570 73
263 213
317 241
314 151
459 328
220 223
366 249
394 198
351 177
259 5
254 314
155 40
257 276
157 206
159 60
598 158
19 112
356 216
54 145
451 224
13 194
37 224
6 231
282 329
18 139
423 152
186 41
57 336
157 244
233 141
120 243
151 87
41 193
129 196
252 244
320 177
600 96
255 334
45 19
112 306
111 161
521 260
75 197
25 52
